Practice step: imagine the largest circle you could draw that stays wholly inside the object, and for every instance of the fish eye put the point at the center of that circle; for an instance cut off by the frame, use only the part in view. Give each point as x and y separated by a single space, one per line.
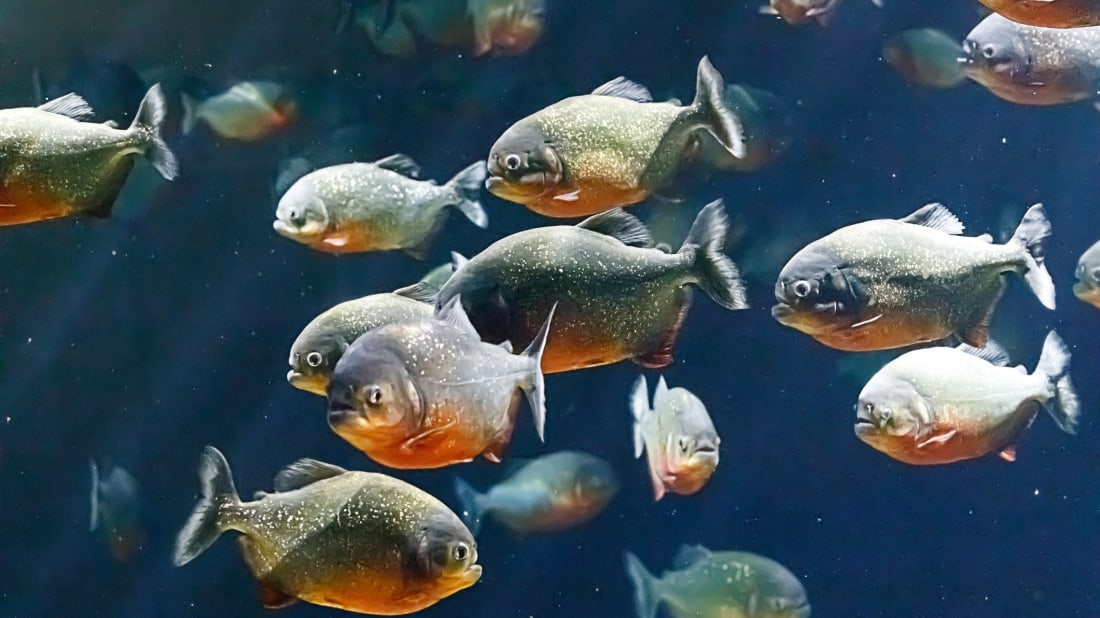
989 51
869 408
461 551
314 359
801 288
1096 274
374 395
512 162
683 445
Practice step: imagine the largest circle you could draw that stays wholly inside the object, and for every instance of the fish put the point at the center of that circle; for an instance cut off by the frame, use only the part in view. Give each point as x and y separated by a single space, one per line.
322 342
941 405
1049 13
428 393
54 165
798 12
677 435
768 128
1030 65
925 57
358 207
706 584
614 147
506 27
554 492
116 512
247 111
358 541
1087 287
891 283
407 28
617 296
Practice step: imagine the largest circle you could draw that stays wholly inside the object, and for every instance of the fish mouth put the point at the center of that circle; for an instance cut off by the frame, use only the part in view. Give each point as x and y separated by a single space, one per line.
343 417
297 232
527 187
469 577
312 384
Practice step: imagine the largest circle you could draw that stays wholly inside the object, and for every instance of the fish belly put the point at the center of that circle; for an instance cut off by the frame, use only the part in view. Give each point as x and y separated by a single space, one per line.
590 198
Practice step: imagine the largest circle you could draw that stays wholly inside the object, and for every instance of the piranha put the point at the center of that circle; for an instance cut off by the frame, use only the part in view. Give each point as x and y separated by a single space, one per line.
1030 65
248 111
427 393
324 340
376 206
116 511
614 147
926 57
554 492
53 165
358 541
941 405
890 283
1049 13
713 584
617 296
677 435
1087 287
507 27
798 12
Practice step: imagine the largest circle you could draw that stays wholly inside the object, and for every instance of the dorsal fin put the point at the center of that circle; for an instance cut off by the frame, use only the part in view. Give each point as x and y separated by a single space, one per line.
305 472
506 346
623 88
402 164
992 353
621 225
457 261
422 291
454 314
688 555
71 105
937 217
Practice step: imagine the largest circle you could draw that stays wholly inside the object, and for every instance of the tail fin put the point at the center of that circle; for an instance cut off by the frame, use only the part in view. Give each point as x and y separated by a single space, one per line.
467 185
639 408
710 104
1032 234
148 120
201 529
1054 364
190 113
714 272
645 593
473 505
536 391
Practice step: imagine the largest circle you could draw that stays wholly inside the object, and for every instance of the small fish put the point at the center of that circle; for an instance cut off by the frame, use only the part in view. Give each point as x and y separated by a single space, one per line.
116 511
1030 65
767 125
377 206
357 541
1049 13
614 147
718 584
798 12
925 57
890 283
248 111
506 27
551 493
1087 287
677 435
323 341
617 297
941 405
405 28
427 393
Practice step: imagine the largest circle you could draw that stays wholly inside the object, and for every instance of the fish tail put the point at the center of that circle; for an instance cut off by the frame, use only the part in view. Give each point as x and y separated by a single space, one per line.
645 589
467 185
148 122
536 387
639 408
218 492
716 115
473 505
1032 234
1063 405
714 271
190 113
94 522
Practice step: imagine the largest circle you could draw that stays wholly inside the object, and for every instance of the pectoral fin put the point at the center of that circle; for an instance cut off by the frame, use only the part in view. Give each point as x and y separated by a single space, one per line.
414 442
940 439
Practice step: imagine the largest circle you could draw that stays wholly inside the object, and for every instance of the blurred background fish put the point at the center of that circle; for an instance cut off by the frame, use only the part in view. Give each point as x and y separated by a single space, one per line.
116 511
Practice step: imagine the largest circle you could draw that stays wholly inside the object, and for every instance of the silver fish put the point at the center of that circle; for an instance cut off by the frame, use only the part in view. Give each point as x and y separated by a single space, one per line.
1087 287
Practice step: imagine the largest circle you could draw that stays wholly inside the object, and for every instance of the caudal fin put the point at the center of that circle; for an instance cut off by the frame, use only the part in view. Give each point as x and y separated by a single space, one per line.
149 119
201 529
639 408
536 387
714 271
467 184
645 593
719 118
1032 234
473 505
1063 405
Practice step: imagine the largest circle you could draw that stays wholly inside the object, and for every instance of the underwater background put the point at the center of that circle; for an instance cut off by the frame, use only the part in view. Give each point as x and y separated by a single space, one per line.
141 338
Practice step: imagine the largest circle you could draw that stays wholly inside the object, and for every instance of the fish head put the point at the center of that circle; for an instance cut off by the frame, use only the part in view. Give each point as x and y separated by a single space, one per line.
523 164
1087 287
445 552
302 214
690 461
890 409
371 393
313 356
996 51
817 293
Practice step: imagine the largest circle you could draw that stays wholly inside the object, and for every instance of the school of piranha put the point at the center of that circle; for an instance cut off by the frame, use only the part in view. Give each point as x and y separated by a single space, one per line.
434 374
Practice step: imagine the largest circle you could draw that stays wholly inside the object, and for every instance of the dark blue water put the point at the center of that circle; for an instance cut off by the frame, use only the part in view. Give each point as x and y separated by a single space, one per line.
144 337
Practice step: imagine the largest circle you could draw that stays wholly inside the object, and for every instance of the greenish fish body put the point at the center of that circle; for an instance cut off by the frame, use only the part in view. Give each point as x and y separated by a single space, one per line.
925 57
1087 287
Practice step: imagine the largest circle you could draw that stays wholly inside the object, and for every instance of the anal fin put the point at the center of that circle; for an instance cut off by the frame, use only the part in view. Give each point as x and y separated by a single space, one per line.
661 356
974 330
1008 453
272 597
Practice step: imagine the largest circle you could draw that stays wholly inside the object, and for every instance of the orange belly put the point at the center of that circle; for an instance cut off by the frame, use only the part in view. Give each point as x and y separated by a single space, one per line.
590 199
567 355
23 204
889 331
447 439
